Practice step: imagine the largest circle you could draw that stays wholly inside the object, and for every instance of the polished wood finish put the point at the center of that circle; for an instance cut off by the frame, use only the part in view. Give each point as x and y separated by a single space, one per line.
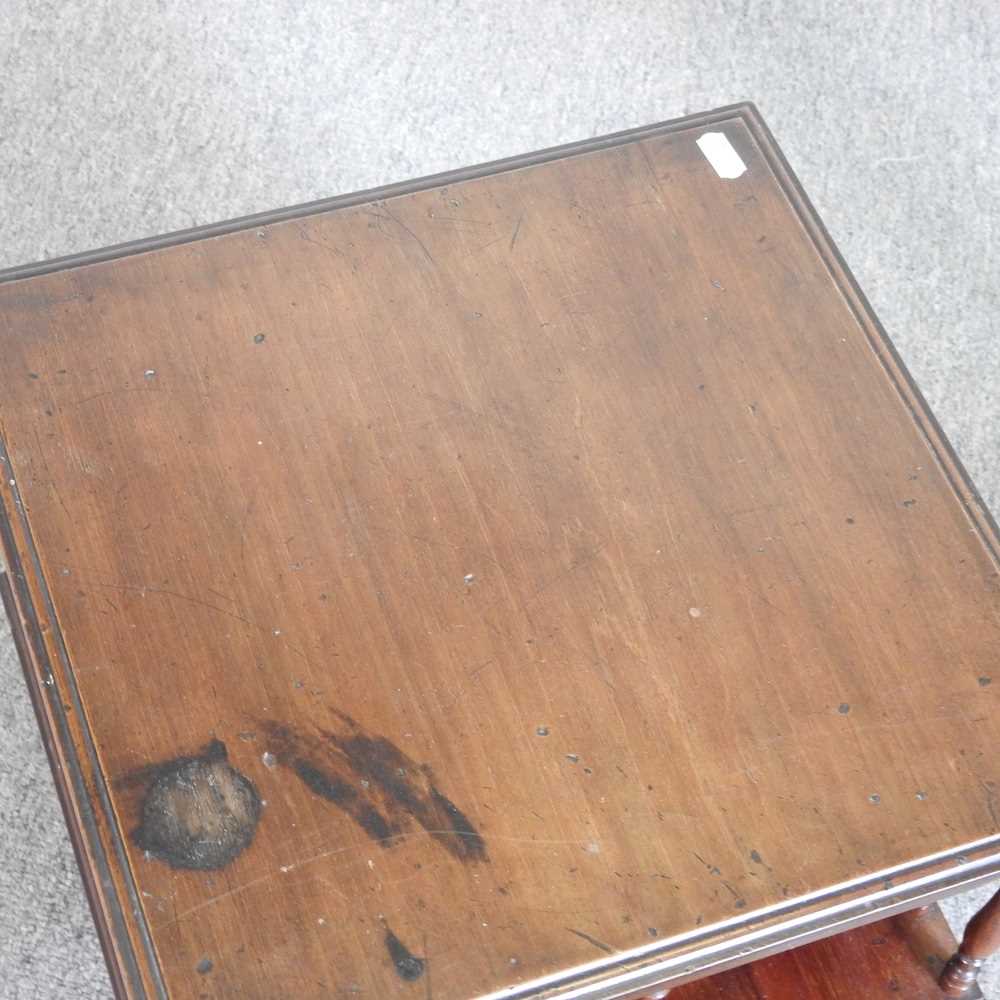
888 960
980 941
546 571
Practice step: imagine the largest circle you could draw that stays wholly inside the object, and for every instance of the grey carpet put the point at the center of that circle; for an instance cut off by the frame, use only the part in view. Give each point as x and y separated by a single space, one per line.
123 119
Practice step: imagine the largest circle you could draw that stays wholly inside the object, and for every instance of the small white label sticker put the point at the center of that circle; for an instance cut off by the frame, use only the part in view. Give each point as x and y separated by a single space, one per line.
719 152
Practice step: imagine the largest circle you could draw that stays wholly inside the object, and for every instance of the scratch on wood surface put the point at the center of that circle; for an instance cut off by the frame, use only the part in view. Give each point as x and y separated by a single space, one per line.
641 146
243 531
592 940
991 804
52 483
499 239
127 588
480 667
464 688
115 392
459 221
517 229
402 225
329 247
352 849
572 568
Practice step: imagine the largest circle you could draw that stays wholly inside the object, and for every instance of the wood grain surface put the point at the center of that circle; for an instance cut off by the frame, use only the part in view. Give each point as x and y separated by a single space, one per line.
453 589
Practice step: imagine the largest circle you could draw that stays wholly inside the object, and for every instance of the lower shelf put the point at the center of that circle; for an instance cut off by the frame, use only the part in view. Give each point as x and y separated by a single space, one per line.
895 959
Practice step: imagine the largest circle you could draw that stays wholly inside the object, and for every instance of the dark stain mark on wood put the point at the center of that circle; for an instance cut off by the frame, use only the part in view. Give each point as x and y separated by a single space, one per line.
198 812
375 783
342 794
408 965
472 844
592 940
204 967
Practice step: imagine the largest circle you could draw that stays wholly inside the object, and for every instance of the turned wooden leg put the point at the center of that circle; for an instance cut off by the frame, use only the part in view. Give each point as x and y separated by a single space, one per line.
981 939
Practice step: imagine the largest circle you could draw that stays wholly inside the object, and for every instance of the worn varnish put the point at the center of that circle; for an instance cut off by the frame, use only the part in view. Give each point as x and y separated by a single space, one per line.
454 586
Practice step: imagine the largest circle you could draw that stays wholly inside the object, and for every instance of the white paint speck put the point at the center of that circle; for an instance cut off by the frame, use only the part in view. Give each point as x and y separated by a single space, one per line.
269 759
149 373
593 848
321 921
285 869
276 631
371 864
469 578
694 612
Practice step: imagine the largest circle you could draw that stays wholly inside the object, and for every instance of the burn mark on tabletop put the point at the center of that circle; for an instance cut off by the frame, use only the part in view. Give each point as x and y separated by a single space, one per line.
374 782
348 798
408 965
198 812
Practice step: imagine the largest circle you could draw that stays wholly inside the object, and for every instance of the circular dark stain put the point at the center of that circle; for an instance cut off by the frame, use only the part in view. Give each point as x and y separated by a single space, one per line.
199 812
204 967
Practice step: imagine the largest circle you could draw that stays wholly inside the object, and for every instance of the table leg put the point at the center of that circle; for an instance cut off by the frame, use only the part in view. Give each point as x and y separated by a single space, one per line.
981 939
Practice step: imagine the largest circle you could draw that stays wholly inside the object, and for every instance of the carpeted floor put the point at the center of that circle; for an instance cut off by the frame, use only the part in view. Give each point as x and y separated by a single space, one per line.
123 119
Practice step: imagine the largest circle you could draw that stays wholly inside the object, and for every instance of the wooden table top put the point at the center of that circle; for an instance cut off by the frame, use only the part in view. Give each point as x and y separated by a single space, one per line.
539 580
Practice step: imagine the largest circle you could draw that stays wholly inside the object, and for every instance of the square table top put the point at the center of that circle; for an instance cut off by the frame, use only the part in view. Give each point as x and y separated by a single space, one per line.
541 580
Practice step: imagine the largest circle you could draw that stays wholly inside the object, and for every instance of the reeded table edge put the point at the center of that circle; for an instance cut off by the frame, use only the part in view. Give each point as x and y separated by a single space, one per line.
98 841
769 930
